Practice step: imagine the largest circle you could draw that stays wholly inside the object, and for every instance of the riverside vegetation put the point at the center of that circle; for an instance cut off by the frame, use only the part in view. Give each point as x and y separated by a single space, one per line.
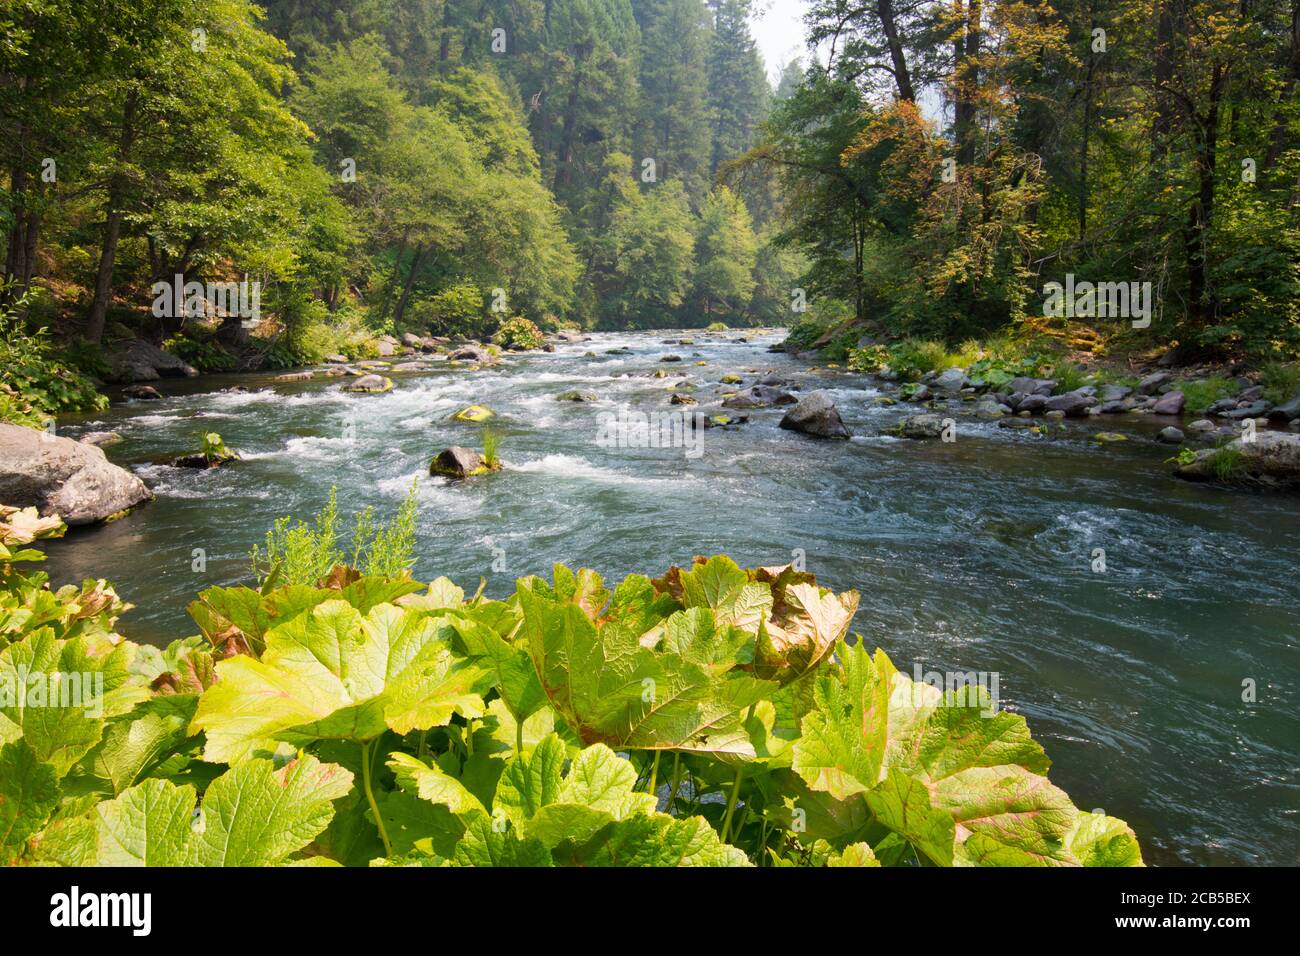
713 716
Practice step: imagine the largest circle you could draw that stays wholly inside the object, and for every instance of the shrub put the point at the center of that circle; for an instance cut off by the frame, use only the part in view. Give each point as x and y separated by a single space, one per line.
519 333
35 384
308 552
205 354
914 358
1281 381
456 310
717 327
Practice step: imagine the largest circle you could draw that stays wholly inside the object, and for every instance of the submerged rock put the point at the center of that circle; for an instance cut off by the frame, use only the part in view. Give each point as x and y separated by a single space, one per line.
60 476
143 393
679 399
670 358
1171 435
577 395
815 414
759 396
294 377
473 413
100 438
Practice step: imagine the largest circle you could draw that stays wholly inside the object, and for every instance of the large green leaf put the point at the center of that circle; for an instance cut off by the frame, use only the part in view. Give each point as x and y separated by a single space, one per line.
589 814
252 815
56 695
332 674
611 688
960 783
29 793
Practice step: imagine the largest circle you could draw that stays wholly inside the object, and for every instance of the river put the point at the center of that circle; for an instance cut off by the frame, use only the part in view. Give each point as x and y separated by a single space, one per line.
973 555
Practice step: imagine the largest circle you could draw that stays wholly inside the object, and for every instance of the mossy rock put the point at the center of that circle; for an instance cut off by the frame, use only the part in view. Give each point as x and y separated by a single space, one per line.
577 395
660 373
473 414
730 379
1107 438
457 462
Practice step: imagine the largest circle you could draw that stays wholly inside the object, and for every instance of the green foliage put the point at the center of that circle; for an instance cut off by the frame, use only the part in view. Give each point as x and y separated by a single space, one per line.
519 333
365 719
307 552
1281 381
456 310
717 326
491 441
34 384
205 354
1202 393
213 447
1068 377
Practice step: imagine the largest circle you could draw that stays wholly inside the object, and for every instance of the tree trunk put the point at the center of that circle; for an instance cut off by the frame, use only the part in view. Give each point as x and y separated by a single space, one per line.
1164 74
966 46
889 24
112 226
1200 297
410 283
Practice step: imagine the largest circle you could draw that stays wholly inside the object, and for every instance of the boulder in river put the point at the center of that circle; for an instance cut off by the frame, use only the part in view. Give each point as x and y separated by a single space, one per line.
577 395
815 414
411 340
471 353
1073 404
459 462
1171 435
1288 411
60 476
927 425
1271 459
679 399
670 358
100 438
1248 410
294 377
759 396
473 413
371 384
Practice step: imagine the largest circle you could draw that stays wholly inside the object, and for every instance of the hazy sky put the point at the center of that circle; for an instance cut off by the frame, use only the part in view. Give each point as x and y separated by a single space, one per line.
778 31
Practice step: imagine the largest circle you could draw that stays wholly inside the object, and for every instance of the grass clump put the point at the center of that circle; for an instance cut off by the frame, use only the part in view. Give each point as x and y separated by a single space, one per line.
491 441
1203 393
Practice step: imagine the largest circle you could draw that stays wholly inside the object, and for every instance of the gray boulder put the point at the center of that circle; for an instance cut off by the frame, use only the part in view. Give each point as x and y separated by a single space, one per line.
141 361
1151 384
927 425
815 414
950 380
759 396
1171 435
1114 393
1251 410
1074 404
471 353
1170 403
1271 459
1035 402
1288 411
1031 386
60 476
458 462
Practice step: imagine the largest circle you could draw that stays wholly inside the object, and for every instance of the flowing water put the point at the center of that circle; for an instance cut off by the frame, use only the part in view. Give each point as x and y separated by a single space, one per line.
971 555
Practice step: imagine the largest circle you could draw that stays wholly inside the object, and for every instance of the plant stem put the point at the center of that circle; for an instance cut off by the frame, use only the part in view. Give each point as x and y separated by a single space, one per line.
731 801
424 744
672 790
654 773
519 736
370 796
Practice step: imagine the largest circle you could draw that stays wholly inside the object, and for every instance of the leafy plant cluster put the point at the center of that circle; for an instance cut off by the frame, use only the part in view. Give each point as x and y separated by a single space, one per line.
203 352
306 552
35 384
519 333
713 716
